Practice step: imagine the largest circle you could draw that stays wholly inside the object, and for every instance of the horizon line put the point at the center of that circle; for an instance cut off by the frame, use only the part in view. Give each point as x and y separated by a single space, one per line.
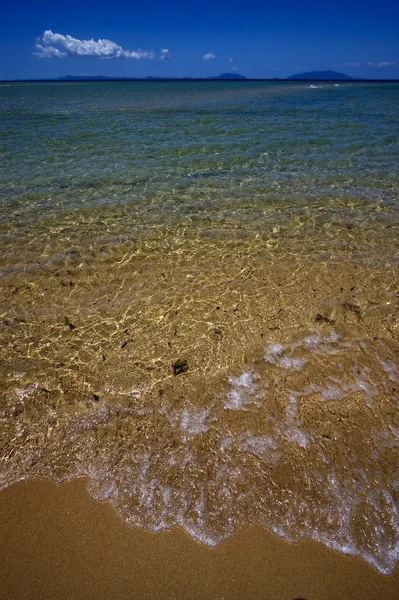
154 78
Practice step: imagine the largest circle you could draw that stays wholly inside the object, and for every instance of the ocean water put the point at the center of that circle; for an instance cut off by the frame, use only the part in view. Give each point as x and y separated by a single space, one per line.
199 303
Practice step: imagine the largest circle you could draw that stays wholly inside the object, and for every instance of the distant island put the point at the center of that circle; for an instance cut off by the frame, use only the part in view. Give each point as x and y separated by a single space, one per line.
308 76
149 78
321 75
229 76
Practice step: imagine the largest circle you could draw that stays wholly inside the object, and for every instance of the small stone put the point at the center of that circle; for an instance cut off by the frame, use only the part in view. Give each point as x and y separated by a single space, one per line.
180 366
69 324
324 319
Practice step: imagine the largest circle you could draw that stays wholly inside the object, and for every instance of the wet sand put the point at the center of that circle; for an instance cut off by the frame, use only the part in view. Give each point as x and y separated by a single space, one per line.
56 542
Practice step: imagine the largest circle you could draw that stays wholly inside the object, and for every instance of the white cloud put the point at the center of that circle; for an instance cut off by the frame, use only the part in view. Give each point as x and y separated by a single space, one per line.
209 56
48 52
381 65
352 64
235 68
231 59
165 54
57 45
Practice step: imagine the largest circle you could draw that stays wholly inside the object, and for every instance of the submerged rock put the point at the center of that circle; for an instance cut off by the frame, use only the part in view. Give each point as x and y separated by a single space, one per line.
180 366
69 324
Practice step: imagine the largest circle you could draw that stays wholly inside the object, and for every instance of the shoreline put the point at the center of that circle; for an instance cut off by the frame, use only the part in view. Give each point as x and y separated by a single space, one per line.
57 542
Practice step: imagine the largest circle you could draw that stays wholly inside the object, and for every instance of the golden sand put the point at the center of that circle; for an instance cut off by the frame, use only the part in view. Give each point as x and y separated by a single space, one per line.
287 413
58 544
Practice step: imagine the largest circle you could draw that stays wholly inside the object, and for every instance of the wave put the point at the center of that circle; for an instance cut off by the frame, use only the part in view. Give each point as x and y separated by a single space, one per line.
297 442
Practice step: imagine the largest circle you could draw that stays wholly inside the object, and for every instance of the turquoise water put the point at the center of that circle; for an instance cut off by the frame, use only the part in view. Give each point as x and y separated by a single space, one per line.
199 303
69 145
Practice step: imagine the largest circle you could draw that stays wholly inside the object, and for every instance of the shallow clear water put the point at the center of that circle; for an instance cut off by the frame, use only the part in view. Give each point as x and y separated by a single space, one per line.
247 230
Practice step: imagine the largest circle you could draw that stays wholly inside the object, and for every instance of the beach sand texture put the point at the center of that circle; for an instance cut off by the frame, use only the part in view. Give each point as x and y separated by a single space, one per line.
57 543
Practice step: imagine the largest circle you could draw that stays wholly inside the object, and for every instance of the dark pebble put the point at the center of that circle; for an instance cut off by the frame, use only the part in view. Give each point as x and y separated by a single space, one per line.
69 324
180 366
324 319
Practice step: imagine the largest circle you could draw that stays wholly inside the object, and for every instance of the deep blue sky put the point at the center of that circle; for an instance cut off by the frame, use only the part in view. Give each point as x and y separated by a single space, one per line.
254 37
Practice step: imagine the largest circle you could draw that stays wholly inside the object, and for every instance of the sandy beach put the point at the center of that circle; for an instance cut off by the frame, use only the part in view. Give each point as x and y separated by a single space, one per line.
199 322
58 543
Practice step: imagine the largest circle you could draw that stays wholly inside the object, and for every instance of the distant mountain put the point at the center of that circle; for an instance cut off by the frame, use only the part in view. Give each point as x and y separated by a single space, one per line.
149 78
228 76
87 78
324 75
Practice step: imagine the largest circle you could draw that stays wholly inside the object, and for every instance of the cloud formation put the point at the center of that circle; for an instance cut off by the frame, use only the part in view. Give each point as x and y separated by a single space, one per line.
209 56
56 45
352 64
165 54
382 65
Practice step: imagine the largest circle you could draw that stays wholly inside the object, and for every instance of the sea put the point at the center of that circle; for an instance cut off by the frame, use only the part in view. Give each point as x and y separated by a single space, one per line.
199 302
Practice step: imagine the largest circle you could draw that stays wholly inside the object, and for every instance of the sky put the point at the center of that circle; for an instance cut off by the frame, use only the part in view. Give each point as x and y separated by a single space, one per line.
198 38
